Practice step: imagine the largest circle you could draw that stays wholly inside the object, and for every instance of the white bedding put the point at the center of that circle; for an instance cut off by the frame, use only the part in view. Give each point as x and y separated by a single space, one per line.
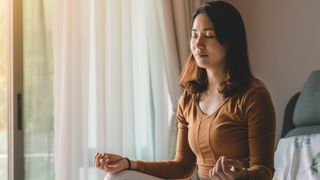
298 158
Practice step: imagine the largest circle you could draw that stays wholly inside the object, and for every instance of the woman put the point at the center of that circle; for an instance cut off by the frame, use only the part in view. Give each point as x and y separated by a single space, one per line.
226 120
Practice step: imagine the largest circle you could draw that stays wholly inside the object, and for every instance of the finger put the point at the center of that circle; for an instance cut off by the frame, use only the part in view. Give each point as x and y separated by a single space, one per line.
228 170
95 155
107 165
109 156
215 176
94 158
112 168
233 168
224 167
112 165
216 172
218 168
114 158
222 163
223 173
210 173
237 165
102 163
97 163
106 155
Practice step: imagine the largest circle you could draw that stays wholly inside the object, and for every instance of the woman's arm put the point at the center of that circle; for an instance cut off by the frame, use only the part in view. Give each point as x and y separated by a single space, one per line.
260 115
181 167
184 163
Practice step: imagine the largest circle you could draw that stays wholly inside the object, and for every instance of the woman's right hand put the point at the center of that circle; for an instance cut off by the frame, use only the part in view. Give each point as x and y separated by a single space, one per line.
111 163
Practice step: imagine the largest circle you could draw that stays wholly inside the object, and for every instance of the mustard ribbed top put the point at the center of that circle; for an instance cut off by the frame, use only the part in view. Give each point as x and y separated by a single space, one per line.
243 128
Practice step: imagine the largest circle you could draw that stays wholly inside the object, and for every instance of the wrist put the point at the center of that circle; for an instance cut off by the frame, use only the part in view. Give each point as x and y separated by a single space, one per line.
134 165
128 162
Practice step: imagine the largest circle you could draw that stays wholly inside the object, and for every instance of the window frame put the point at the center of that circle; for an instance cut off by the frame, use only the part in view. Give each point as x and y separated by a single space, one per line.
15 89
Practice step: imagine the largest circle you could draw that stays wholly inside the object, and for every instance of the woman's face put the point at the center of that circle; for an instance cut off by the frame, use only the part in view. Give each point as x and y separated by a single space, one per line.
206 50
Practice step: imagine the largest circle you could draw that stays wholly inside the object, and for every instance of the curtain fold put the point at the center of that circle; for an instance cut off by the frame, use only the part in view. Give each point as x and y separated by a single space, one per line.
117 66
175 19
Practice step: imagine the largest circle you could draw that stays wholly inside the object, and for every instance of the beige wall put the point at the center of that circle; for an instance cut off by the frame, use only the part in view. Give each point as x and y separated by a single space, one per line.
284 45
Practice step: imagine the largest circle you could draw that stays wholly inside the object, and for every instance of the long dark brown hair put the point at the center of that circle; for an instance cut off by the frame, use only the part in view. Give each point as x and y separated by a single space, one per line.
230 33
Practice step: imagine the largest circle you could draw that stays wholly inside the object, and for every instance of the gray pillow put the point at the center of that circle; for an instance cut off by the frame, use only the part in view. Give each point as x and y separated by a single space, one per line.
307 110
304 130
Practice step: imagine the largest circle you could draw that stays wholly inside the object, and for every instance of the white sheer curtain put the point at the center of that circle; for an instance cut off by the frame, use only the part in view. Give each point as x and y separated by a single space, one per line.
116 71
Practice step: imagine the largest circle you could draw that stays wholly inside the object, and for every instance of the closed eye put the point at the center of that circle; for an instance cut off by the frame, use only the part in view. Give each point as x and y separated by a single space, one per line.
207 34
211 36
194 34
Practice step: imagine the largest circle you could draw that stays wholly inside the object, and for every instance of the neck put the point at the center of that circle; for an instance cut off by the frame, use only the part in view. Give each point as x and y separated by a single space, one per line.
215 77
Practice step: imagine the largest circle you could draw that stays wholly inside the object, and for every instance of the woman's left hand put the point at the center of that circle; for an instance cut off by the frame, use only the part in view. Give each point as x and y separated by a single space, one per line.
227 169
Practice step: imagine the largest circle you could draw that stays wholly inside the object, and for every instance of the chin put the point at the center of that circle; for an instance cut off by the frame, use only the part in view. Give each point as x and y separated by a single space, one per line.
201 64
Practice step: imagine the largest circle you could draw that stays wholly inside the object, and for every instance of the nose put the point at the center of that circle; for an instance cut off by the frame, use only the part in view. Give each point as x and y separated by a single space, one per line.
199 43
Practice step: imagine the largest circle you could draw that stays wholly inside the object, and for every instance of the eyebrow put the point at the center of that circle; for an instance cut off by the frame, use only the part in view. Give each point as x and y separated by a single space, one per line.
205 29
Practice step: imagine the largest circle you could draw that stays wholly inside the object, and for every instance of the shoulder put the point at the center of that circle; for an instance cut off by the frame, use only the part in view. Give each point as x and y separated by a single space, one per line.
256 105
256 86
184 105
256 91
185 99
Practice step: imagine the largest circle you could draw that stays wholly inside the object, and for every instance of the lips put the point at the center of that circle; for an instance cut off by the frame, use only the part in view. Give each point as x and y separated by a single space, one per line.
202 55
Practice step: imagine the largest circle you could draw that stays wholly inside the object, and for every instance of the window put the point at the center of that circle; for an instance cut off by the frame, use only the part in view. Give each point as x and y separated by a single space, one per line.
38 90
26 71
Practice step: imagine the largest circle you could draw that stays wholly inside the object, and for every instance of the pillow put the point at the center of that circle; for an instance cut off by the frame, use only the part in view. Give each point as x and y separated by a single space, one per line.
307 110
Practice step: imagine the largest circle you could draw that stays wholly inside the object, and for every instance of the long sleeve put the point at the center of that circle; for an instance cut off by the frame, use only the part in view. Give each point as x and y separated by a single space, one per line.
260 115
185 161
